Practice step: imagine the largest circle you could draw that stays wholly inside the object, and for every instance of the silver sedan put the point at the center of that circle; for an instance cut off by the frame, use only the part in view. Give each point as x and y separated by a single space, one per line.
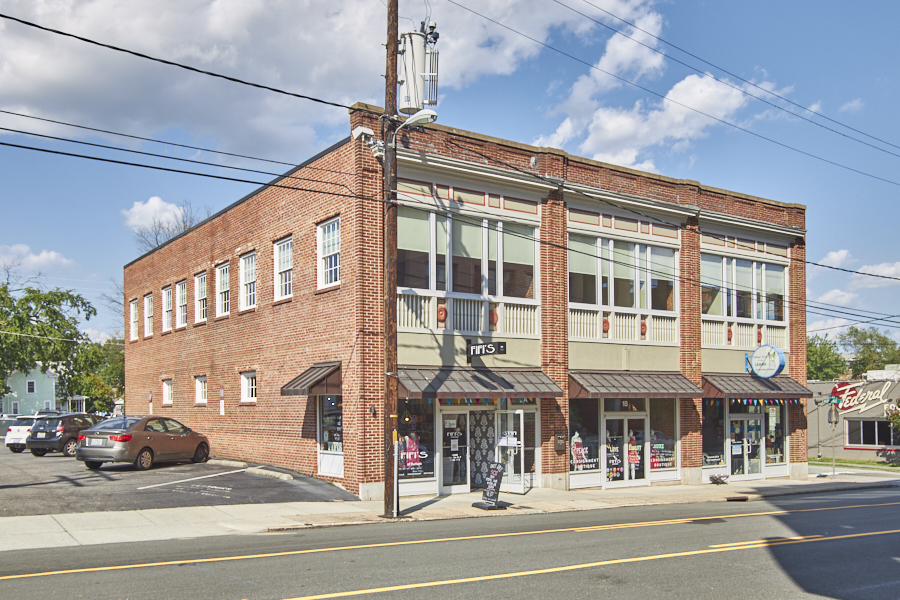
140 440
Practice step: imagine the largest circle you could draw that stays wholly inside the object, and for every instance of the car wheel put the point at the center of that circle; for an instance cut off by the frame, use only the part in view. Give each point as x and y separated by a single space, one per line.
92 464
39 451
69 448
201 454
144 460
16 450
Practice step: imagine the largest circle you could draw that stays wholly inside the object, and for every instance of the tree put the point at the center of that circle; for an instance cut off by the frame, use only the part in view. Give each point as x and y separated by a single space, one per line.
39 328
823 359
871 349
98 373
161 230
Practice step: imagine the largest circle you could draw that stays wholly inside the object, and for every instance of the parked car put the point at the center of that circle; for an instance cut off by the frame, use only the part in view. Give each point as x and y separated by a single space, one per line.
58 433
140 440
18 431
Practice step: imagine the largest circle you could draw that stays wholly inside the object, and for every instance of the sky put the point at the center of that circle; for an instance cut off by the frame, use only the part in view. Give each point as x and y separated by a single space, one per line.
674 95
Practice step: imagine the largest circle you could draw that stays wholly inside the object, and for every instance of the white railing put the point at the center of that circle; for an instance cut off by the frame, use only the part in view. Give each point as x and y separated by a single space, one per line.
588 324
713 333
467 315
418 311
663 329
584 323
625 326
745 335
775 335
520 318
414 311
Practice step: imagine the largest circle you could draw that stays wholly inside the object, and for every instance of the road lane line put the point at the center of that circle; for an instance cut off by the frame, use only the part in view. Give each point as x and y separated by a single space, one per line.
796 537
602 563
426 541
147 487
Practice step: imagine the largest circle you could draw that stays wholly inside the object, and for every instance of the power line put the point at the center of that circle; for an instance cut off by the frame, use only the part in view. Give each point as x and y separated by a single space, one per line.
677 103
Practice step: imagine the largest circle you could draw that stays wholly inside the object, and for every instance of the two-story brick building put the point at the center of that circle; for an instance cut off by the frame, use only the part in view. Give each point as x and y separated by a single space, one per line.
626 302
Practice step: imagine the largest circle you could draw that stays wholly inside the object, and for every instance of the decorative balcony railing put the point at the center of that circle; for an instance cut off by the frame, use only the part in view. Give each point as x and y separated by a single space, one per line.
420 311
622 325
722 331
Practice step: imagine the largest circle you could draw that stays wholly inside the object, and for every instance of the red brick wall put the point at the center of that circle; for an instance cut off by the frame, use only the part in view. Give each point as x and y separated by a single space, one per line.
689 356
797 417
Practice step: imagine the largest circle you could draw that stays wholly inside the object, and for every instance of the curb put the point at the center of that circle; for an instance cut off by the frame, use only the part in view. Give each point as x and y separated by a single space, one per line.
222 462
267 473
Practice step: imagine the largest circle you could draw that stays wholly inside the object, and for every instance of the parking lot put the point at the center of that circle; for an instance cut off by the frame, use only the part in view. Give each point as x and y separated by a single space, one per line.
54 484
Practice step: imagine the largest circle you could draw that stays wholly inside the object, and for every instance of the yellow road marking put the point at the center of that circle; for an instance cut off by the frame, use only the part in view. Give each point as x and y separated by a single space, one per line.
602 563
432 541
798 537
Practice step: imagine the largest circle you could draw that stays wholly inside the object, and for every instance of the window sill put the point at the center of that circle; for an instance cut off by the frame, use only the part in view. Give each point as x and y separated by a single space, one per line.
221 317
180 327
249 309
325 290
281 301
247 403
167 332
199 323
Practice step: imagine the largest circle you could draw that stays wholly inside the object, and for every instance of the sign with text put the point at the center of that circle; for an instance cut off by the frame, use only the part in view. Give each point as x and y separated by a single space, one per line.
491 492
766 361
485 349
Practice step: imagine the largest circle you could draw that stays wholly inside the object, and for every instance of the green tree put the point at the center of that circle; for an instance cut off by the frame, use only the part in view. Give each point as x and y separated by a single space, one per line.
98 373
39 328
823 359
871 349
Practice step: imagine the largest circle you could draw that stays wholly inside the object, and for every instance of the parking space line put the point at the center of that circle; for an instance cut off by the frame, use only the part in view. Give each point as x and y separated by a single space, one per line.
146 487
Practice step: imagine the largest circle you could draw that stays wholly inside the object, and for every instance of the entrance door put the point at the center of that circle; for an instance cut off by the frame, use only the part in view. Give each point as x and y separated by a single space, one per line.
511 450
455 452
481 452
625 456
747 449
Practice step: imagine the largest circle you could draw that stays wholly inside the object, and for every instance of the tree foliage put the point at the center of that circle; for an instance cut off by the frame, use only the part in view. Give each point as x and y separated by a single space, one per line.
161 229
870 348
823 359
98 373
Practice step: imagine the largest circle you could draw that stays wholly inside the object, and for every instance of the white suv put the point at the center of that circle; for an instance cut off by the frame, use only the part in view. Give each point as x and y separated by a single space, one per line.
18 431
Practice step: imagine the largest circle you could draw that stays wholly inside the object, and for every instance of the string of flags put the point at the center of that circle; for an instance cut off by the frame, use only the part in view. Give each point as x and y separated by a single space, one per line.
481 401
753 401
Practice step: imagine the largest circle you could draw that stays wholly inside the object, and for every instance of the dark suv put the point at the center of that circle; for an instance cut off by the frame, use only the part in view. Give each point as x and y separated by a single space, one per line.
58 433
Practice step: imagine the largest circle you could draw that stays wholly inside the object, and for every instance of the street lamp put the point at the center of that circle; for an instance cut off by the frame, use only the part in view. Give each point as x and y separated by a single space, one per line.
423 117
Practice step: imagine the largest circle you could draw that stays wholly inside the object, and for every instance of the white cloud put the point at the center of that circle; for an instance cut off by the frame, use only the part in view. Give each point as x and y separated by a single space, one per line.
143 214
836 258
22 255
892 270
838 296
96 335
830 326
853 106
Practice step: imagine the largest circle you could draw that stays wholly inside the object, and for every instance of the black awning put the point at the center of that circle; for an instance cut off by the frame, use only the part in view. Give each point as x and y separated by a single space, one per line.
744 385
631 384
321 378
462 382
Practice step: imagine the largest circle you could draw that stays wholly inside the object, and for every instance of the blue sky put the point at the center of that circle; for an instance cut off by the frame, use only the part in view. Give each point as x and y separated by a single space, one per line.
72 219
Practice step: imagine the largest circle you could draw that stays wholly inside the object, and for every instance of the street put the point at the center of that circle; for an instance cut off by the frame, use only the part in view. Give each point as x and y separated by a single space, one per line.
834 545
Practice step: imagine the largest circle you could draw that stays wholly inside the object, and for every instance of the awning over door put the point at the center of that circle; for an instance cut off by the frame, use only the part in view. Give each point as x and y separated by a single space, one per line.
461 382
322 378
744 385
631 384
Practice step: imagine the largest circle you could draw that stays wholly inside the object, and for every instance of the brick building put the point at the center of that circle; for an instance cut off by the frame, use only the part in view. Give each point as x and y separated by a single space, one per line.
625 302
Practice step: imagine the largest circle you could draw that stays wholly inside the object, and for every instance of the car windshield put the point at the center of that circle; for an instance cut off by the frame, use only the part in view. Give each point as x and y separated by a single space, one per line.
118 423
24 421
48 423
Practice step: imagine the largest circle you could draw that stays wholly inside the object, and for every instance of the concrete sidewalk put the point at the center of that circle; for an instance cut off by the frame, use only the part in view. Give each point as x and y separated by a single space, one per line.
50 531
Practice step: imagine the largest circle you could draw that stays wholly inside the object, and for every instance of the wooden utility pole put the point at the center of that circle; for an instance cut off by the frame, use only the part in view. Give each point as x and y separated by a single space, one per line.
388 127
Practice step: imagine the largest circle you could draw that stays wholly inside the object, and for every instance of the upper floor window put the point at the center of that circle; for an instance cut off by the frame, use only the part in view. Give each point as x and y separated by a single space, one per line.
248 386
148 315
223 290
486 257
133 314
181 304
742 288
167 391
329 252
200 389
620 273
248 281
167 308
200 297
30 387
284 267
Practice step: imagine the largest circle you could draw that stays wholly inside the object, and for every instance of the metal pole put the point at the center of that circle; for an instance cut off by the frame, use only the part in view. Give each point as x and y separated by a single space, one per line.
389 211
833 419
396 493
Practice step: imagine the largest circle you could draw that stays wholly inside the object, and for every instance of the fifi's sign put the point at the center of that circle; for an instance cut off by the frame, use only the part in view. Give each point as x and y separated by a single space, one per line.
861 395
485 349
766 361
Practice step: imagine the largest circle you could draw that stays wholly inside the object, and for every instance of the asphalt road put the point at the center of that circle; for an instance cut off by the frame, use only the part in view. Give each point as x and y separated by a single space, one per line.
839 545
54 484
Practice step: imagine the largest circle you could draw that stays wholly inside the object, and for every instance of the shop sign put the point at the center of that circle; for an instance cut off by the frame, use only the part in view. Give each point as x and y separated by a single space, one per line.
860 395
485 349
766 361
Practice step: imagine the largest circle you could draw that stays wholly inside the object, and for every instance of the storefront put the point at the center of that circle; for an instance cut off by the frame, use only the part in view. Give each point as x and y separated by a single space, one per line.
623 427
745 425
455 421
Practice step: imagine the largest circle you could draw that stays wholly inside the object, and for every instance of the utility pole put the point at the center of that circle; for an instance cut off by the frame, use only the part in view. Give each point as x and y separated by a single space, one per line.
388 127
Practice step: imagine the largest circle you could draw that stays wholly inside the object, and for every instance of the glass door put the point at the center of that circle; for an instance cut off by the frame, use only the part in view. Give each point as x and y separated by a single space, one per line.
625 450
747 447
455 452
511 450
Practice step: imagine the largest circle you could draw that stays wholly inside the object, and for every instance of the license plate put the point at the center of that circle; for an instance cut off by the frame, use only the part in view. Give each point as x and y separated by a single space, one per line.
95 441
40 435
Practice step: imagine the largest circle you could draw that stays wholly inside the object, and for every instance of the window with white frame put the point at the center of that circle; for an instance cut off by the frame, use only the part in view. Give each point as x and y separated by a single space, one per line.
181 304
200 389
619 273
742 288
284 268
148 315
167 308
248 386
14 407
133 315
248 281
223 290
30 387
200 306
328 235
167 391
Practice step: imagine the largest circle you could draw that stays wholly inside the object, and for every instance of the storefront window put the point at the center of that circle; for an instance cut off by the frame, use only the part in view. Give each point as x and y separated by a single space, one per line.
331 429
774 416
662 433
584 435
415 430
871 433
713 433
624 405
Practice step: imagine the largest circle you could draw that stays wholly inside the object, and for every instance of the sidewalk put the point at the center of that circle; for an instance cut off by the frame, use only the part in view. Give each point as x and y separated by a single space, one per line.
51 531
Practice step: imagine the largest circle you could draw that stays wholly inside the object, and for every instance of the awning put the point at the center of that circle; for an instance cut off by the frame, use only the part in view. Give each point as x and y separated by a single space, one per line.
631 384
321 378
460 382
744 385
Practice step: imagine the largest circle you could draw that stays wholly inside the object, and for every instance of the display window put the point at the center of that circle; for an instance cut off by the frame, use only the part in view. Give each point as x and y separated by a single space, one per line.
331 428
415 431
874 433
713 433
774 422
584 435
663 433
